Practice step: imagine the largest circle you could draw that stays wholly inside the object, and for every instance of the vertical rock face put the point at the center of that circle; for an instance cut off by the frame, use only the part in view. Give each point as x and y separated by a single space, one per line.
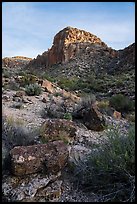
66 44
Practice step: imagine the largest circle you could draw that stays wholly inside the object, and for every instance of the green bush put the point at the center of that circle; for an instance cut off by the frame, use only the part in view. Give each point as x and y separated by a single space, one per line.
68 116
33 89
121 103
28 79
109 171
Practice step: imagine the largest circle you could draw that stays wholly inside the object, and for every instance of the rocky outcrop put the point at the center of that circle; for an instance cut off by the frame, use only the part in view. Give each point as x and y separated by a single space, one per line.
56 129
13 62
67 44
90 117
51 157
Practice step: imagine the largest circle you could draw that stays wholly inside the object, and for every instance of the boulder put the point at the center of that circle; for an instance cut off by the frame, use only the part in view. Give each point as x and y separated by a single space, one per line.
50 158
56 129
90 117
47 85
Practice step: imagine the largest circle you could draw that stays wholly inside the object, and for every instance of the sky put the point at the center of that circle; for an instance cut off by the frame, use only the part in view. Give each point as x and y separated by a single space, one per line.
28 28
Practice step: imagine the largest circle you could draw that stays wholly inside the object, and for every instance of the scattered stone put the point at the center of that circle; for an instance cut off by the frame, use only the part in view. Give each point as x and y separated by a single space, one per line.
44 100
6 98
17 99
31 188
20 94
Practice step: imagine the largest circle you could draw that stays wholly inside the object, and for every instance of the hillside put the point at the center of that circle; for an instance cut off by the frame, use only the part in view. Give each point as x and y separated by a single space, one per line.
80 55
68 122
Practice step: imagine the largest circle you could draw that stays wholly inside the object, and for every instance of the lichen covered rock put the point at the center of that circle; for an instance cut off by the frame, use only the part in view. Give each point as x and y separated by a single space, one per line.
56 129
51 158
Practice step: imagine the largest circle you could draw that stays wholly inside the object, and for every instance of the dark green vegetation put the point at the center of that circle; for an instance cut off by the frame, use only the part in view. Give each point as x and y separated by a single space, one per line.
121 103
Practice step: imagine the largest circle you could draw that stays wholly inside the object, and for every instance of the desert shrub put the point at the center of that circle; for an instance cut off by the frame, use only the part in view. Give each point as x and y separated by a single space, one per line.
74 84
33 89
56 111
121 103
131 117
104 107
15 133
53 111
28 79
103 104
67 116
22 73
119 83
13 86
109 170
49 78
87 101
68 84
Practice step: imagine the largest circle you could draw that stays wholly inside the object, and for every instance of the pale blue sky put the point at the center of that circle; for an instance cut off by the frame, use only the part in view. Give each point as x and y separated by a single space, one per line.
28 28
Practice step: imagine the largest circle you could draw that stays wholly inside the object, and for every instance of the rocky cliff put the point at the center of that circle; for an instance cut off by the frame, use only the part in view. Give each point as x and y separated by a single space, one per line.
67 44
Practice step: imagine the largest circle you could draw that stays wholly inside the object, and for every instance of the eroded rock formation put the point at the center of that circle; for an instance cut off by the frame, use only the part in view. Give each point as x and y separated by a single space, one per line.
66 45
